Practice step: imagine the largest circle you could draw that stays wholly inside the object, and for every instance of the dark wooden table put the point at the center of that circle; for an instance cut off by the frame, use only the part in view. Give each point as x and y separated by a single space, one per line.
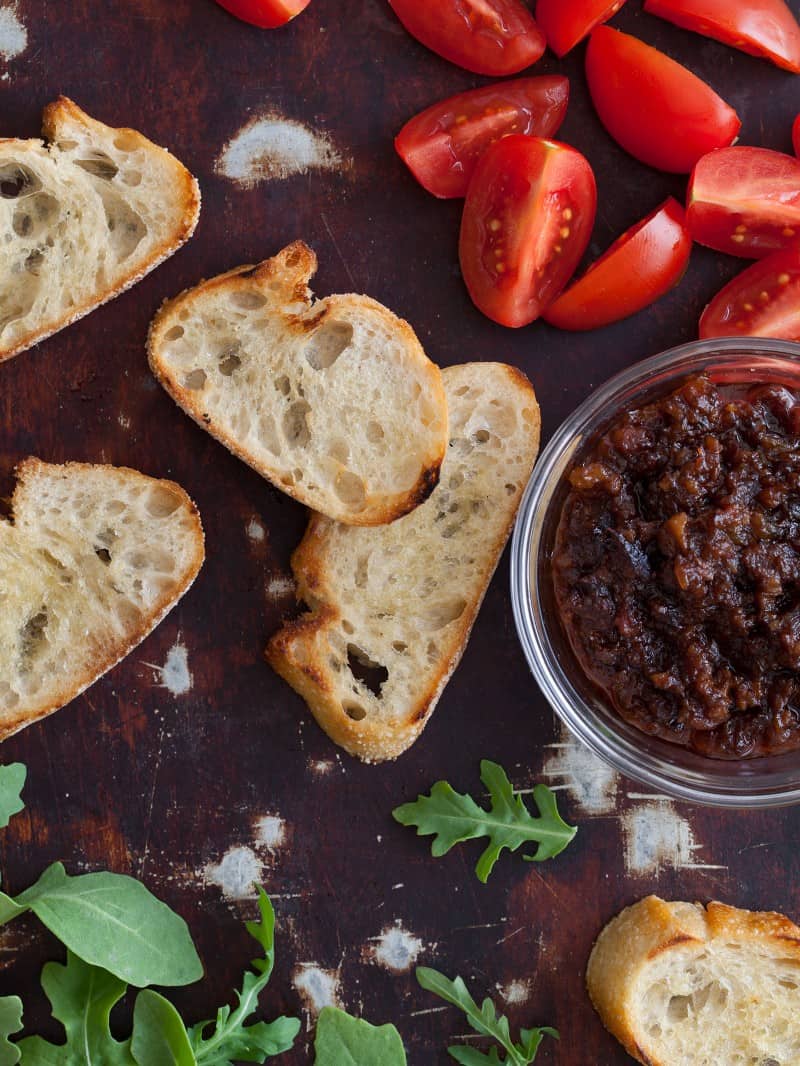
185 788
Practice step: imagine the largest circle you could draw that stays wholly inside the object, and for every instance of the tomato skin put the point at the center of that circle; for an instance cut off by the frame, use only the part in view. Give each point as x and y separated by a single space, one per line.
762 301
659 111
441 145
745 201
528 216
796 136
566 22
495 37
268 14
765 28
639 268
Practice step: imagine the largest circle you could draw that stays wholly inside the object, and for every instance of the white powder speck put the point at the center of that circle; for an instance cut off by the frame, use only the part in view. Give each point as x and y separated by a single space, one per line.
591 782
236 874
322 767
270 831
13 35
124 422
273 147
319 988
175 673
396 949
278 588
515 992
255 530
657 838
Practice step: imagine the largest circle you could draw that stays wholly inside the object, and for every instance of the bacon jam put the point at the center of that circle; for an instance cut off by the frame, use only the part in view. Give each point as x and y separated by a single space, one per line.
677 568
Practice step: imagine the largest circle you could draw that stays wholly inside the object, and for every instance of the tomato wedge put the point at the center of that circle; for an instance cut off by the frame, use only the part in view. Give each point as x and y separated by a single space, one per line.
441 145
796 136
528 217
745 201
764 28
566 22
762 301
497 37
639 268
268 14
656 109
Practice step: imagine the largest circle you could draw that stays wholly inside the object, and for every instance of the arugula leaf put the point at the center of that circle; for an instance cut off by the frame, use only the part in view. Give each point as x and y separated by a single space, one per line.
10 1023
81 997
112 921
230 1038
454 817
342 1040
159 1035
486 1021
12 779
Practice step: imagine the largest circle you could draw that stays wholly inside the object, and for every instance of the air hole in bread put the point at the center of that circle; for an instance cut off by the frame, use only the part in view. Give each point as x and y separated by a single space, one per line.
17 181
348 627
195 380
66 145
100 165
33 637
462 391
127 141
295 424
126 229
162 502
339 450
350 489
22 223
400 647
327 344
229 361
268 434
132 178
373 675
529 416
174 334
354 711
361 571
247 301
510 489
374 432
481 436
104 555
283 385
438 615
34 262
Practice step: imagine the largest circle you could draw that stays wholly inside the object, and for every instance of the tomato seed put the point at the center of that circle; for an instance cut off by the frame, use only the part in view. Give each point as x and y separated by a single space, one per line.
788 232
564 231
783 279
738 238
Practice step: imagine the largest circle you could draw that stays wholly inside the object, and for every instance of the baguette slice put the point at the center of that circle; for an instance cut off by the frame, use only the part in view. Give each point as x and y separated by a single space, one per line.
94 558
333 400
680 985
392 608
82 220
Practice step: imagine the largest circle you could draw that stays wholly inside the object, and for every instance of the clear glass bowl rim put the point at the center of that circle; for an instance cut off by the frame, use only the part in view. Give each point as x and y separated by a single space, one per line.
716 787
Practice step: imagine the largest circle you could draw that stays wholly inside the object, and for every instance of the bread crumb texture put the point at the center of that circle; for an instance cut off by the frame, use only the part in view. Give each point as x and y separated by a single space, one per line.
681 985
391 607
91 560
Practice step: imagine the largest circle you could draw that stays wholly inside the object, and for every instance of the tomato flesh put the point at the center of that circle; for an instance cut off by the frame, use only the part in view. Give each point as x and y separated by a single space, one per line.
268 14
764 28
496 37
441 146
639 268
656 109
745 201
528 216
566 22
762 301
796 136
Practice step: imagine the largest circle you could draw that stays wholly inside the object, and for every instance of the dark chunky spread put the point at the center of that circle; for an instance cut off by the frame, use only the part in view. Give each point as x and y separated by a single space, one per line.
677 568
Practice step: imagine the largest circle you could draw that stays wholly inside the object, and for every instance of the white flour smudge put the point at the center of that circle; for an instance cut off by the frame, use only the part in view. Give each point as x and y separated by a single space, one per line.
318 988
13 35
255 530
272 148
657 838
175 674
515 992
236 874
278 588
322 767
270 832
591 782
396 949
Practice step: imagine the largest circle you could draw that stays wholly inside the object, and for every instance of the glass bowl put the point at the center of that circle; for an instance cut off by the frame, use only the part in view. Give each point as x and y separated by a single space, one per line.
669 768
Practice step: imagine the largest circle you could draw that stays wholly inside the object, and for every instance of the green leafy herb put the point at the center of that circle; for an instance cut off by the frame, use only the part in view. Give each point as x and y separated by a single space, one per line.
10 1023
12 779
230 1039
454 817
345 1041
82 997
111 921
159 1035
486 1021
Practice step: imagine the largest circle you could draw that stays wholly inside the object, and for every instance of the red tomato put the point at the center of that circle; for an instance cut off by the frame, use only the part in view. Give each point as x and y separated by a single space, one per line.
656 109
796 136
762 301
527 220
265 13
497 37
745 201
566 22
638 269
442 145
761 27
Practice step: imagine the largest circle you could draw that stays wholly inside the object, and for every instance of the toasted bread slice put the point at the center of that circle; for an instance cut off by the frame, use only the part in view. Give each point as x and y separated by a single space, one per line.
94 558
392 608
680 985
83 219
333 400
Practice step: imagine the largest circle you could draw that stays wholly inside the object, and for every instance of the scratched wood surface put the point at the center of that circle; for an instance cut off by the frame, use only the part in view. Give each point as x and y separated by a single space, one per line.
184 788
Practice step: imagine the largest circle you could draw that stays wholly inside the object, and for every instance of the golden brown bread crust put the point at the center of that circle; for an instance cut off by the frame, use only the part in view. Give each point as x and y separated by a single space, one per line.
652 928
55 115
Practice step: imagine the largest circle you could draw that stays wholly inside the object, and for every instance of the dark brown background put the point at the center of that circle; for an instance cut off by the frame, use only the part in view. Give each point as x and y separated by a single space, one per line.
132 778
